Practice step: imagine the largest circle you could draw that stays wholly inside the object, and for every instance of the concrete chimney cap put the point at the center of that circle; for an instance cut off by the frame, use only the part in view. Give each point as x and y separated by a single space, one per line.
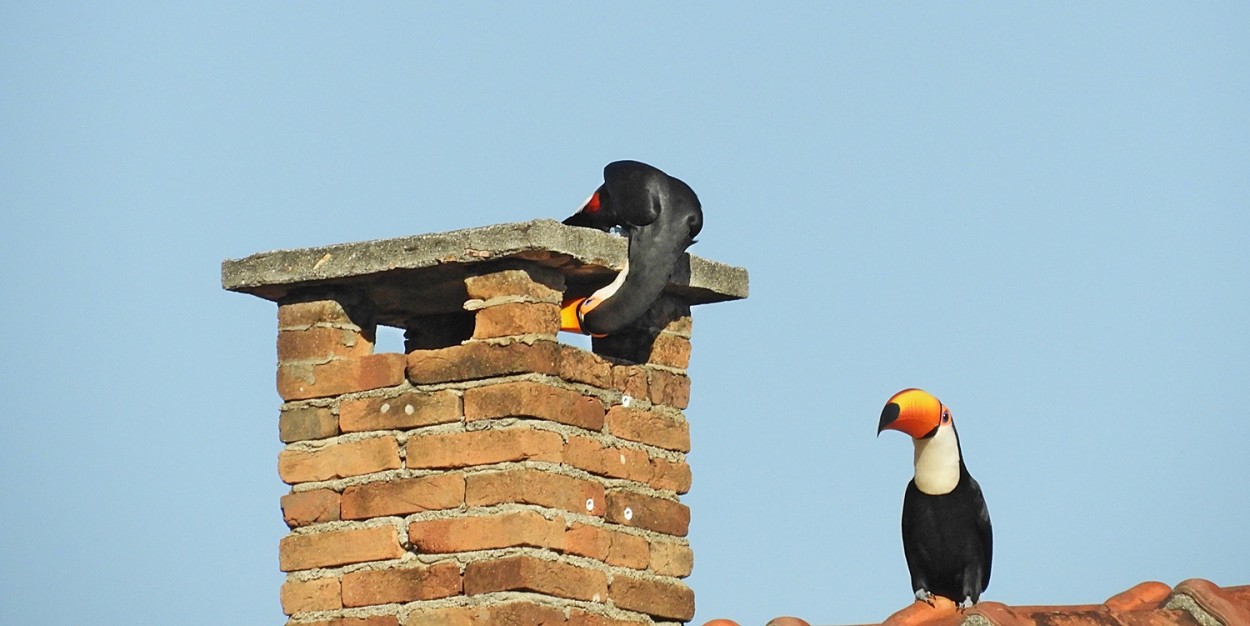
406 275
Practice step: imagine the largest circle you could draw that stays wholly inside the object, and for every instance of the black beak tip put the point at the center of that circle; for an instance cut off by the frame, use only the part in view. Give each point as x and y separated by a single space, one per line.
888 415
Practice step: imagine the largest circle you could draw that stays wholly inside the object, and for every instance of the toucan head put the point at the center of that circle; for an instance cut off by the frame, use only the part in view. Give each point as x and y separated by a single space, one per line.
915 412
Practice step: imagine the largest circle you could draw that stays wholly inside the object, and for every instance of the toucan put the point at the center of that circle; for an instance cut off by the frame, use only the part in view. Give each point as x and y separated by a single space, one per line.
947 538
660 217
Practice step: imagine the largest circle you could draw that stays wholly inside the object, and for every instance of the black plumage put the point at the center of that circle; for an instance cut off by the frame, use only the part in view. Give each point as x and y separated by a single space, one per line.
948 540
660 216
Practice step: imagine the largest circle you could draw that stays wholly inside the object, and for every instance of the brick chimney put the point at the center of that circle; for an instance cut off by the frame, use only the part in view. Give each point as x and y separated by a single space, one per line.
491 475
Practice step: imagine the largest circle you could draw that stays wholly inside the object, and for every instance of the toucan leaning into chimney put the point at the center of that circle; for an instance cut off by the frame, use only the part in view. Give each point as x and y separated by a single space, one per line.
660 217
947 538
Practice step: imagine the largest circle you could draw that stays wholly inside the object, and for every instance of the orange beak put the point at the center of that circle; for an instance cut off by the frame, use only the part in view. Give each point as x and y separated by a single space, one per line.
571 313
911 411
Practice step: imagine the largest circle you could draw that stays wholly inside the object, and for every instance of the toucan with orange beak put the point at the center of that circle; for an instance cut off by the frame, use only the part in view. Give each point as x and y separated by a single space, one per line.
660 217
947 538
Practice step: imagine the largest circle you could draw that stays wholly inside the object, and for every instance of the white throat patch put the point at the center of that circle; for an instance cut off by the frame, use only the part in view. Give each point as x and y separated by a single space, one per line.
937 462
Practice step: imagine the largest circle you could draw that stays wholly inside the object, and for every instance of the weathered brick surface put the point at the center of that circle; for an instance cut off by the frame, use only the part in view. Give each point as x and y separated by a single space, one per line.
671 600
485 532
649 427
338 547
681 326
340 376
410 410
310 507
475 360
408 584
372 620
526 573
669 475
670 350
510 614
321 343
516 318
669 389
403 496
581 366
339 460
482 447
643 511
306 422
589 454
297 315
534 486
671 558
604 544
542 285
630 380
319 594
592 456
581 617
531 399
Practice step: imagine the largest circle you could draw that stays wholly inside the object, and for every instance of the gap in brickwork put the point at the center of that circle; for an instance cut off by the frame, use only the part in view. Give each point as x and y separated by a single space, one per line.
576 340
389 339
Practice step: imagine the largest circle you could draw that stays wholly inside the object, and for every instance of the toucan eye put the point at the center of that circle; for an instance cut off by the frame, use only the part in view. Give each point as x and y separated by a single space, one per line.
946 417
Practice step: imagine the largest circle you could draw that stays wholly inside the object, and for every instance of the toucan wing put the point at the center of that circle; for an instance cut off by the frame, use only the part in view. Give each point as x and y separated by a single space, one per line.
984 531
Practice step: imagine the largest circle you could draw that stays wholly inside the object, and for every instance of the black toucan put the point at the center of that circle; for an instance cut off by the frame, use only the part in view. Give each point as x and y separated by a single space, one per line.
947 537
660 216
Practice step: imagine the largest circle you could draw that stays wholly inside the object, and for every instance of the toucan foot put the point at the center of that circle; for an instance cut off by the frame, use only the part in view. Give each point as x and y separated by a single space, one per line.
923 595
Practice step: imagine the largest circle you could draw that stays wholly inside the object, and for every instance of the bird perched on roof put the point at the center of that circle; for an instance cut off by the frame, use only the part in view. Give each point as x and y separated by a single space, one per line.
947 538
660 217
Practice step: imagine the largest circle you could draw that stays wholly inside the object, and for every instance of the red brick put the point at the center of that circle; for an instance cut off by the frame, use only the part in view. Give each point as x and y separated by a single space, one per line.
310 507
581 366
669 475
669 389
516 318
399 585
607 545
318 594
403 496
649 427
482 447
322 343
658 514
305 314
535 486
338 547
671 600
486 532
593 456
681 326
531 399
372 620
671 558
340 376
339 460
410 410
475 360
630 380
306 422
538 286
581 617
511 614
526 573
670 350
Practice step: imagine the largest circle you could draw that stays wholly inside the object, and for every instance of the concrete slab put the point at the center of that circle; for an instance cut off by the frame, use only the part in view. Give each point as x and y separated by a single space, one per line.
405 275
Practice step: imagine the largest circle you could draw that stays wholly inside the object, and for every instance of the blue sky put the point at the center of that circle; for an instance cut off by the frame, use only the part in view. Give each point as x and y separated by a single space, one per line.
1038 212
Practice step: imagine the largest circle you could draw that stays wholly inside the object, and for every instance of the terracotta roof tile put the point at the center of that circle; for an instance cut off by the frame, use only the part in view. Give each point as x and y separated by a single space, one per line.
1194 602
